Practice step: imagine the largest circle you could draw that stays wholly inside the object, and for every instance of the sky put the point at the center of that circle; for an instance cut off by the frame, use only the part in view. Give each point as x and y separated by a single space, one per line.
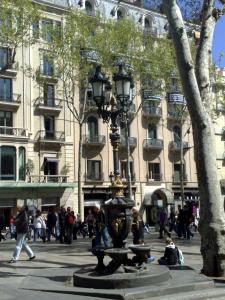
219 42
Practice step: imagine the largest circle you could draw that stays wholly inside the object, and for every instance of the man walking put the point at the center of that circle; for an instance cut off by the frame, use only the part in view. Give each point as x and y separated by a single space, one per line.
22 223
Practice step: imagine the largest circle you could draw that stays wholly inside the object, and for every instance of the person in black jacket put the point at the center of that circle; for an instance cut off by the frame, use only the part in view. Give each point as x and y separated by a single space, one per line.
170 255
22 223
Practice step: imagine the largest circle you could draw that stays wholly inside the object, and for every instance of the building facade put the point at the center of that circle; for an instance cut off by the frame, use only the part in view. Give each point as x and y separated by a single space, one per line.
39 140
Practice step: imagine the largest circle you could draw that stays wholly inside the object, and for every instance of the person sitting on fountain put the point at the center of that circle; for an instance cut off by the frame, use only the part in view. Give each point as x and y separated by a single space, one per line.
101 230
170 255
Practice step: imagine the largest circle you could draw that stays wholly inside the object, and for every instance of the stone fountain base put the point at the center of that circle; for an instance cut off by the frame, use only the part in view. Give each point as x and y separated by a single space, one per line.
122 278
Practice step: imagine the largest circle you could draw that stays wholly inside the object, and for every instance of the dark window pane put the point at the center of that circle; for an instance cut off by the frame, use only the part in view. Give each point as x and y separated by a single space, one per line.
49 94
48 69
94 169
5 89
154 171
6 118
36 29
47 28
7 163
152 133
22 161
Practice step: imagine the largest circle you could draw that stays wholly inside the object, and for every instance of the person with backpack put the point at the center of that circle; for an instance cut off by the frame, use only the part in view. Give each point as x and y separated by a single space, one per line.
70 220
170 256
22 223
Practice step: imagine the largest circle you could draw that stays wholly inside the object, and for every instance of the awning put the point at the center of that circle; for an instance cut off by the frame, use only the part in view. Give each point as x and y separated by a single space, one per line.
51 159
37 185
165 193
92 203
160 193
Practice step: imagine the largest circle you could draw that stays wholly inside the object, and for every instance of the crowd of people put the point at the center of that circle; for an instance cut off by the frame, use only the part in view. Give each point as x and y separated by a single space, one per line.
64 226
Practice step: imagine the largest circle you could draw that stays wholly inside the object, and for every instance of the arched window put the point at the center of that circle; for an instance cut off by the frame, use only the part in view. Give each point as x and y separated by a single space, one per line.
88 7
120 14
92 127
176 134
147 23
7 163
152 131
22 161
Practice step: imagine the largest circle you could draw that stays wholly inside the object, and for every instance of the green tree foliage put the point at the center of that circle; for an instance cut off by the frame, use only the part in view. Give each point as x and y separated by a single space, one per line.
16 20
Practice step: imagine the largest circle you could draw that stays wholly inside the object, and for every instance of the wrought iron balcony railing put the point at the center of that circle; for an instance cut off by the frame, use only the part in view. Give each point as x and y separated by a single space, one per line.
149 110
51 136
176 146
150 95
14 132
132 141
153 144
98 140
48 178
53 102
13 98
12 69
176 97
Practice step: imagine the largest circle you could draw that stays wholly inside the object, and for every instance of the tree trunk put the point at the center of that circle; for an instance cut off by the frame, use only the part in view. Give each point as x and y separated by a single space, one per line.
212 223
80 197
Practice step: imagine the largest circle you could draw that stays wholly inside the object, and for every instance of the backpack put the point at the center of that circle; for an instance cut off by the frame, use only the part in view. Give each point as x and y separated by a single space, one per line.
180 257
70 219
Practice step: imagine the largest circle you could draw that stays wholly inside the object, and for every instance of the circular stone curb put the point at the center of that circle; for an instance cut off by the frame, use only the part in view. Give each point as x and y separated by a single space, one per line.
88 278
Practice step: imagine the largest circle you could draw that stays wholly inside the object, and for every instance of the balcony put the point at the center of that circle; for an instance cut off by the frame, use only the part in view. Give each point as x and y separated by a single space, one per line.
154 177
176 146
132 142
12 70
48 178
149 111
177 178
94 177
11 103
94 141
49 106
150 95
90 54
47 72
51 137
153 144
174 115
13 133
176 98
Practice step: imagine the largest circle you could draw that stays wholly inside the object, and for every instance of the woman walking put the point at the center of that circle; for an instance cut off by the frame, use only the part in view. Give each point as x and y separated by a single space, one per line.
22 223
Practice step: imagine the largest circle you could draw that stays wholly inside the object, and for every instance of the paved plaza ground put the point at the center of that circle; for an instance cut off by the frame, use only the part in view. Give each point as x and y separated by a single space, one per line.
55 264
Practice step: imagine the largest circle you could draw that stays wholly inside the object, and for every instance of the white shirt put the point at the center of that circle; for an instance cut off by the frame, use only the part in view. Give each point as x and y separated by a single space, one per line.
39 222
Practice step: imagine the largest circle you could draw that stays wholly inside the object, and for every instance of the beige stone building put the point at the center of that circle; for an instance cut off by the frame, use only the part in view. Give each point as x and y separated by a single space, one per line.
39 138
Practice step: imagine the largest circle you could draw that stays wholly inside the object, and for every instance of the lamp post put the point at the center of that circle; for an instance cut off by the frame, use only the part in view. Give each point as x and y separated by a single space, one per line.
117 209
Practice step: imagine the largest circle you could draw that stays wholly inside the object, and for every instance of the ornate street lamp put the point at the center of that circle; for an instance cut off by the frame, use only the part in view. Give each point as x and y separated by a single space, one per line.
118 208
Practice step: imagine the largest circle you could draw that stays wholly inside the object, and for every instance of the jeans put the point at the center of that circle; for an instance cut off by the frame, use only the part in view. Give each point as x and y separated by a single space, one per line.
39 233
51 231
103 233
21 244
